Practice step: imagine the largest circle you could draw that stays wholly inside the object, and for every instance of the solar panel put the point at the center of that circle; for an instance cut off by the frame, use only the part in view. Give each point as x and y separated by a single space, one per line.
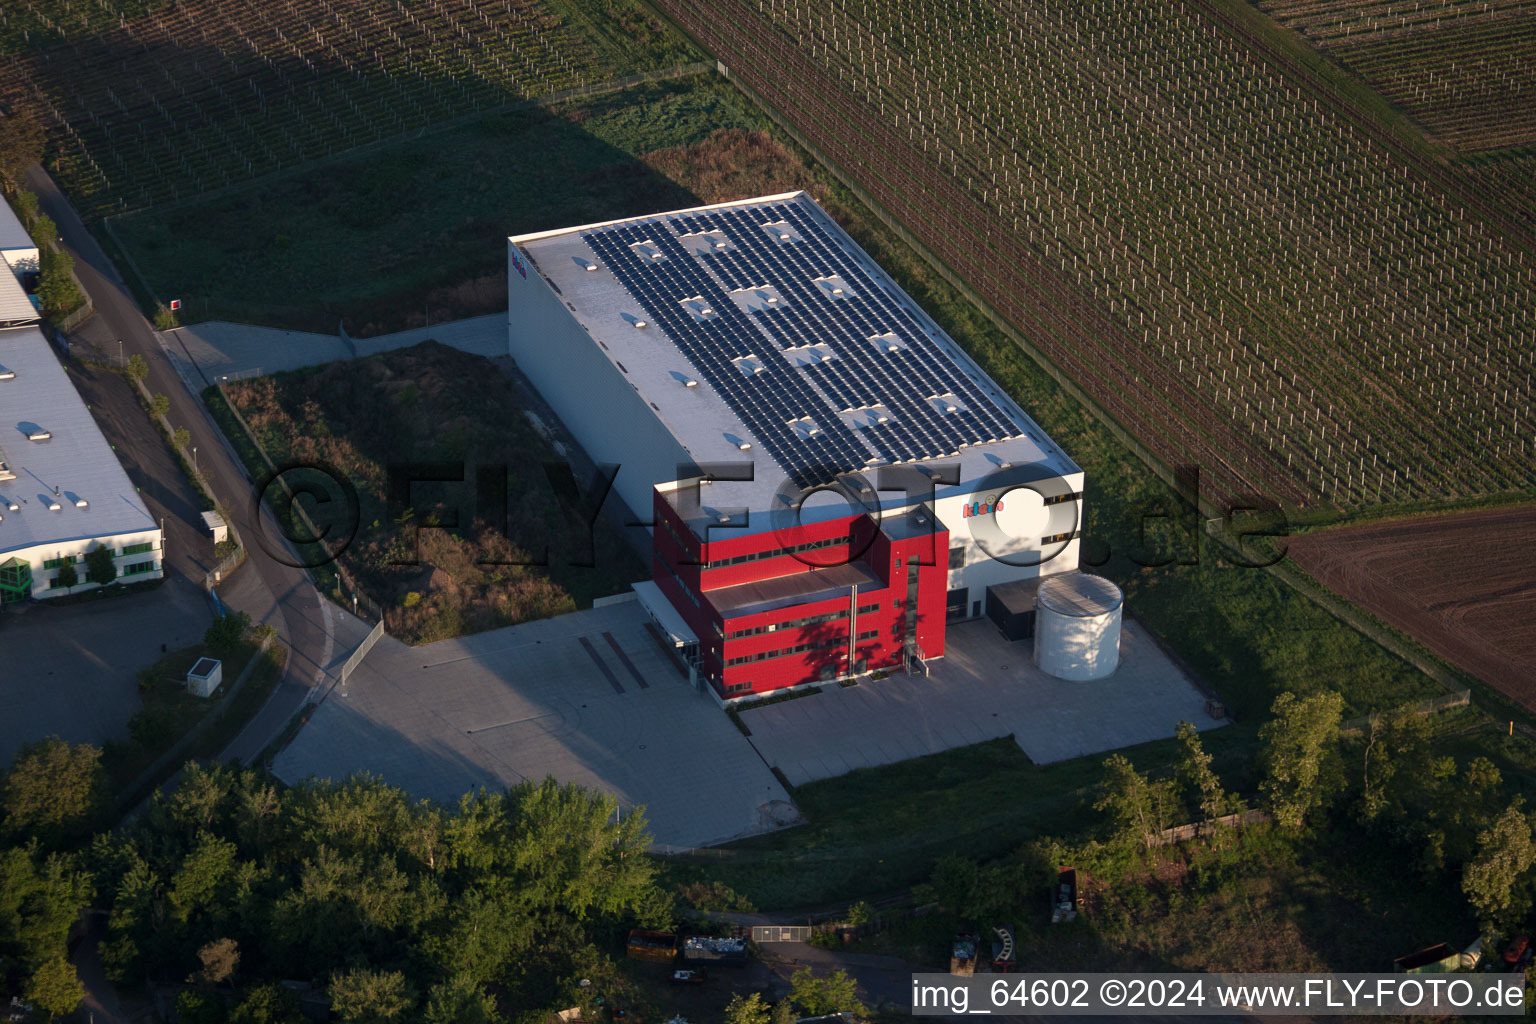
858 376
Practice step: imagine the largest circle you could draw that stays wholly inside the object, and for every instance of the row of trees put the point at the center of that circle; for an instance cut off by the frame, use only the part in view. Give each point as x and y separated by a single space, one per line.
1446 814
398 910
51 798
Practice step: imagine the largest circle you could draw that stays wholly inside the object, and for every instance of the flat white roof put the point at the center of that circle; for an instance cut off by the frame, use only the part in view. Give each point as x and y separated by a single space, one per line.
12 234
15 307
73 463
759 332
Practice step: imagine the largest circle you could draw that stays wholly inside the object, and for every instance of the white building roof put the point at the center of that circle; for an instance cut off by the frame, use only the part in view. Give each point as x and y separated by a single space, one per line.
15 307
12 234
73 464
760 332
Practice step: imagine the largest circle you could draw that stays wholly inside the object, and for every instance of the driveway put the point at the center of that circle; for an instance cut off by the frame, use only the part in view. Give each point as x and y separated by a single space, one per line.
272 590
73 666
587 697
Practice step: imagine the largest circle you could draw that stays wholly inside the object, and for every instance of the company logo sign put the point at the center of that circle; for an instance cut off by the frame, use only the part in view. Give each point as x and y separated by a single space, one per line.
988 505
517 261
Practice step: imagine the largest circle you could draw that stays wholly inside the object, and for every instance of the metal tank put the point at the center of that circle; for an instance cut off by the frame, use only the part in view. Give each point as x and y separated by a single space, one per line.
1077 626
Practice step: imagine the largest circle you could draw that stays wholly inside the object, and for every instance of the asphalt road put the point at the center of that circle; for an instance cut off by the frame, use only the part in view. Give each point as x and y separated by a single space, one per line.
265 586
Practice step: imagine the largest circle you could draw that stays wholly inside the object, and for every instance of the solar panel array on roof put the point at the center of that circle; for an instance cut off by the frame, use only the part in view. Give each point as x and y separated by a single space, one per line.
818 348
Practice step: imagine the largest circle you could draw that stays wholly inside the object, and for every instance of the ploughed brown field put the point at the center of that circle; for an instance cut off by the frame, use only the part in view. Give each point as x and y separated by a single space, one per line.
1462 585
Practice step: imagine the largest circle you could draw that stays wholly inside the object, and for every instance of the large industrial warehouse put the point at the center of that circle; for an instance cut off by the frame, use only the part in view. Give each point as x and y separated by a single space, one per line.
62 490
827 478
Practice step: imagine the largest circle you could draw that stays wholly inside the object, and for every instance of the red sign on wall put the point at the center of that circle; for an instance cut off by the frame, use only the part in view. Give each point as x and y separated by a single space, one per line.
175 305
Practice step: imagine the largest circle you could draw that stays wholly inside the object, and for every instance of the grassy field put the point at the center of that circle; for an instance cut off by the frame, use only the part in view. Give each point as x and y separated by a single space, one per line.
385 238
430 404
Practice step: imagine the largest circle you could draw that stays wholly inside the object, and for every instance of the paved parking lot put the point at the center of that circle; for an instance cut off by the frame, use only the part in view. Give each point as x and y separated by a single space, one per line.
70 668
984 688
587 697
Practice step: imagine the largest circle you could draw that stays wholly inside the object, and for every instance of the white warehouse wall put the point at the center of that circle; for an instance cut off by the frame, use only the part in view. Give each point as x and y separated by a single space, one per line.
42 579
593 398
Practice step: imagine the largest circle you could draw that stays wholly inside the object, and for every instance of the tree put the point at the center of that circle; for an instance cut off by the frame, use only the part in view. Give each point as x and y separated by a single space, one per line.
459 1000
67 576
268 1004
194 1007
1196 776
783 1013
1138 807
1300 756
953 881
749 1010
219 959
54 791
137 368
56 289
227 631
181 437
836 992
1505 851
39 903
99 567
43 231
54 988
26 206
363 996
159 405
21 146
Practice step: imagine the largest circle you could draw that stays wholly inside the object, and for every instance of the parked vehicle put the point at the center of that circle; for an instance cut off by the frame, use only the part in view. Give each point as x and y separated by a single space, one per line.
689 976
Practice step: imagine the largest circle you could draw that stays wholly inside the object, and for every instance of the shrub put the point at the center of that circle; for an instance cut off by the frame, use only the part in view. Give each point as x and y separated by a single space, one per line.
99 567
227 631
165 320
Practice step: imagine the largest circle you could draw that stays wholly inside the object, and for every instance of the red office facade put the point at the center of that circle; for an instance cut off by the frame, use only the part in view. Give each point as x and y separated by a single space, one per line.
808 603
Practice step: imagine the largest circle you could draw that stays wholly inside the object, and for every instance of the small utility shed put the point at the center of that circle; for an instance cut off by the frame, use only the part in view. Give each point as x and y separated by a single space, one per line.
1011 607
215 525
205 676
16 245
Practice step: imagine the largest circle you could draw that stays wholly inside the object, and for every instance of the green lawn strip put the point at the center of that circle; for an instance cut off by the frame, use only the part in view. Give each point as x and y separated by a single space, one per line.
169 711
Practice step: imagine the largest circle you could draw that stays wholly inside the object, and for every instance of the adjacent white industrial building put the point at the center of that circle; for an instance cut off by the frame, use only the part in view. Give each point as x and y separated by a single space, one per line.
62 490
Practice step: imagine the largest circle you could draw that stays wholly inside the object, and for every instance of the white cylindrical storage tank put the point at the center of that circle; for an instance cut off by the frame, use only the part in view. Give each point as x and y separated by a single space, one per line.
1077 626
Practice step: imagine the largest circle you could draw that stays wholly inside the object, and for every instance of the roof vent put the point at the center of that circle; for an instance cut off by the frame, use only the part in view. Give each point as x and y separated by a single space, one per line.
82 503
722 518
837 291
13 506
7 374
744 445
591 265
773 300
53 506
39 435
640 323
690 383
722 245
783 236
